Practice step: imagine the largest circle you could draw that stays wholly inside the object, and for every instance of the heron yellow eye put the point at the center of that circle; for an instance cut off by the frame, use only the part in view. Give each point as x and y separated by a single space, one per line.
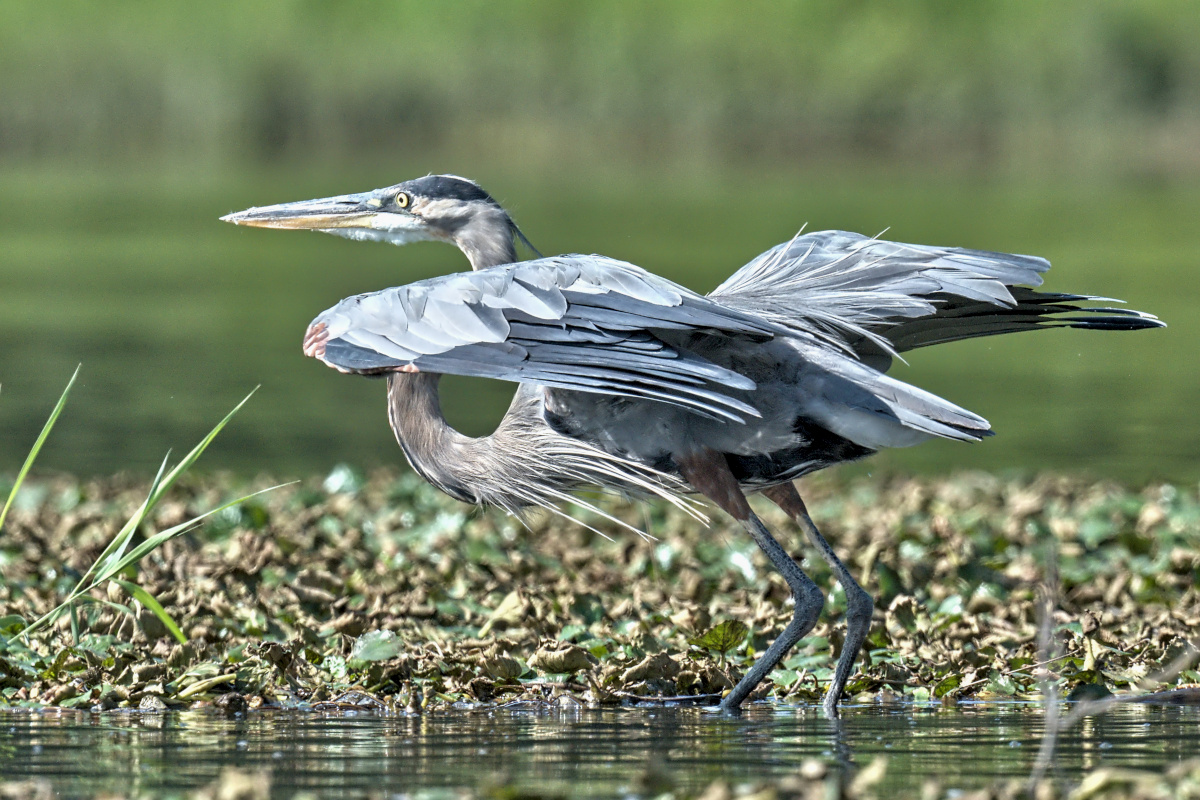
403 200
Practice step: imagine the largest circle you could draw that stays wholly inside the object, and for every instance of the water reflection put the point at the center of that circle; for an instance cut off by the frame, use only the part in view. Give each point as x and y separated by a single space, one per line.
581 753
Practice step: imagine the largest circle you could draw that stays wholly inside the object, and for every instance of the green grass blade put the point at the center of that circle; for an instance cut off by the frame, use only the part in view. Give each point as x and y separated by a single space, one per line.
124 609
195 453
37 445
114 559
147 599
158 539
116 548
48 618
132 557
51 616
103 565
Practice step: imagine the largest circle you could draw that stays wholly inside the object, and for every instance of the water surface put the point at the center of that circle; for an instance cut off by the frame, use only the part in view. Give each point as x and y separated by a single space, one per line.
583 753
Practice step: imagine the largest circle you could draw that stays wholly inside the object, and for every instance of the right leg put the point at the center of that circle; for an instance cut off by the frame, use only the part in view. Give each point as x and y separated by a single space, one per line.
708 472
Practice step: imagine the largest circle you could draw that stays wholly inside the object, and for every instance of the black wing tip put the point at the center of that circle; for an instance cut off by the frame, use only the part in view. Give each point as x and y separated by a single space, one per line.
1134 321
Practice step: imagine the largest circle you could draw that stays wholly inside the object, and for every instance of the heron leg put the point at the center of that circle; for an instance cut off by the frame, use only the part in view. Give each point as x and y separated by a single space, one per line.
859 605
709 473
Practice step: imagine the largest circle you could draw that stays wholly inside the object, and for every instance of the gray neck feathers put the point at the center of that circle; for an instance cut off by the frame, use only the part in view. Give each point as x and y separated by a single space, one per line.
491 470
487 238
435 450
522 465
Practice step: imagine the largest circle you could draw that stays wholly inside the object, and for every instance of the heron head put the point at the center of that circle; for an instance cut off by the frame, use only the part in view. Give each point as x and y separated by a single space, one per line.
442 208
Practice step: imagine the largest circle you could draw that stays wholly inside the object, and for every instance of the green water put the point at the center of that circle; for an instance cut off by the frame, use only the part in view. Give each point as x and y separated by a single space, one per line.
585 753
176 316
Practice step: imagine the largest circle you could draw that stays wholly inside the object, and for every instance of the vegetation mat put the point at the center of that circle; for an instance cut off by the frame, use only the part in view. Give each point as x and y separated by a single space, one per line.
379 593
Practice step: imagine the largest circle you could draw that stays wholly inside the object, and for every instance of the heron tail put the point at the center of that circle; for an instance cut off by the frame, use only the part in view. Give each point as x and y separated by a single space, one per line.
957 318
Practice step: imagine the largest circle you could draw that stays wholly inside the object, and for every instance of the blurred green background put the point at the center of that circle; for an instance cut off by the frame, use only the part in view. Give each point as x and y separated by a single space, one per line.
683 136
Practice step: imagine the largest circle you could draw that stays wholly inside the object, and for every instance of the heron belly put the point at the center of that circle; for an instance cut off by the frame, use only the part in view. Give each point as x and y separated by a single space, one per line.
779 446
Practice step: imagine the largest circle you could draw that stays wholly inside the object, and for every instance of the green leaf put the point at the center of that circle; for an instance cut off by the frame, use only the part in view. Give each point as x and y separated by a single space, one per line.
146 599
947 685
1089 691
37 446
343 478
723 637
588 607
376 646
573 633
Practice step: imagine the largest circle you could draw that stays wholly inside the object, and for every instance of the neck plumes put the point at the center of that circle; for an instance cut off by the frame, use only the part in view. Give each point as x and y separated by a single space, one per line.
504 469
523 465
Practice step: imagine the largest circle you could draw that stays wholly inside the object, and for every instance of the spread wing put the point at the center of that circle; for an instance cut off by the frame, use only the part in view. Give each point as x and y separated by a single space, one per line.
584 323
880 297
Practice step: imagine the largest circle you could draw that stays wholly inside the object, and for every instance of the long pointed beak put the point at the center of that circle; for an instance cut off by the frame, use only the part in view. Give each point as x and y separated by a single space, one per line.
343 211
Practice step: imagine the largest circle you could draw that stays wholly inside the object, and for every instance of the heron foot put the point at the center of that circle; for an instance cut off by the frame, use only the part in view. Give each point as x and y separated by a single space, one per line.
860 608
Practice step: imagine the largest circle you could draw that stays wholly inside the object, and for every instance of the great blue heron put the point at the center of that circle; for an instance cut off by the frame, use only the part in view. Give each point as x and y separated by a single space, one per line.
632 383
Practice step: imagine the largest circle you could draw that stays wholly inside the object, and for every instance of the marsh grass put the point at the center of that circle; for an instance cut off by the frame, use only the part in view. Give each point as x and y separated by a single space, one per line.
37 447
117 563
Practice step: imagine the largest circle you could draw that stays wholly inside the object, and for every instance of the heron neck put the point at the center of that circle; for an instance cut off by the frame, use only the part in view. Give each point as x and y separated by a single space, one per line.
431 445
487 240
441 455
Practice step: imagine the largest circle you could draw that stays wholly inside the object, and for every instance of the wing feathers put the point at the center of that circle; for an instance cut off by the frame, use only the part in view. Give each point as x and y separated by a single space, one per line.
876 298
574 322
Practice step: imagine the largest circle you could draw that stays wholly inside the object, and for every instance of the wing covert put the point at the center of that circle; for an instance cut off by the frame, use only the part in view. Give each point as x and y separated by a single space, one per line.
584 323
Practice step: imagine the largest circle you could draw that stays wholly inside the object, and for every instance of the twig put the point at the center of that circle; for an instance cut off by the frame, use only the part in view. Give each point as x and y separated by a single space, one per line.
1046 655
1055 721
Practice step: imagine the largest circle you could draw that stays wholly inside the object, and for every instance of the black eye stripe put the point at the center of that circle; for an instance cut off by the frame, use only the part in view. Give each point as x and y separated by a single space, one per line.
442 187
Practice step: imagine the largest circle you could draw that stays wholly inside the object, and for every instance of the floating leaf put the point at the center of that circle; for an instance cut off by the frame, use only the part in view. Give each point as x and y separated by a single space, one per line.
200 687
1089 691
655 667
588 607
376 646
947 685
343 479
566 659
503 668
722 638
